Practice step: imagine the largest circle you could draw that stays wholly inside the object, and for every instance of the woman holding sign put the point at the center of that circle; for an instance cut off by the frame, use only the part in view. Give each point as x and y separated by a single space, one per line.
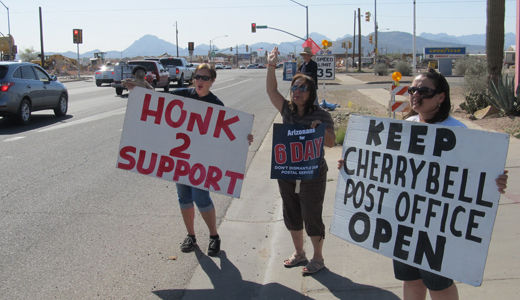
302 201
430 103
204 78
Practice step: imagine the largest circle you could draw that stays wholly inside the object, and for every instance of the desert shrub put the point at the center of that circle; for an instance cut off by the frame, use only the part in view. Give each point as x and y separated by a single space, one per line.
474 101
340 135
381 69
470 64
404 68
475 85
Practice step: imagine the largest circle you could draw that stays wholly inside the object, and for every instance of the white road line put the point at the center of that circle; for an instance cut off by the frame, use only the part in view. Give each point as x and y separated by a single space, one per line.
225 87
107 114
14 138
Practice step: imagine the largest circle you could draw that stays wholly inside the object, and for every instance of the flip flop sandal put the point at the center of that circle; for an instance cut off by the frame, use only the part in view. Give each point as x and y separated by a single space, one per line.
313 266
295 260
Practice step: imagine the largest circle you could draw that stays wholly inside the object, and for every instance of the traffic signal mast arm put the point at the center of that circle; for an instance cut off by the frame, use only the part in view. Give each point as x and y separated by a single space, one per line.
254 27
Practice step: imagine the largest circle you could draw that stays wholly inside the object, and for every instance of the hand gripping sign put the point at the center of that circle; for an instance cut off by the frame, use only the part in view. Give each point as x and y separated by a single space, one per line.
185 140
420 193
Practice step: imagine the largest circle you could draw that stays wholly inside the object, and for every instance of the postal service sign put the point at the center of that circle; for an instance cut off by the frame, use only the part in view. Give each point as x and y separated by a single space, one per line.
421 194
185 140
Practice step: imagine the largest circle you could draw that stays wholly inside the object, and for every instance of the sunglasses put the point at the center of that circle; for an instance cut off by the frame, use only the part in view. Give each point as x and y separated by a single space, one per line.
423 91
301 88
202 77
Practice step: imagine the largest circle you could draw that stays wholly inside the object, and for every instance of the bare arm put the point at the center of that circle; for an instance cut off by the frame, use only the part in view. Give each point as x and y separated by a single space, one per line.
330 136
271 85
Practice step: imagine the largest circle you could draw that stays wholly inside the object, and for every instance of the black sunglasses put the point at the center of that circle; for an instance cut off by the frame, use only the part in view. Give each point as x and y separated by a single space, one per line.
301 88
202 77
423 91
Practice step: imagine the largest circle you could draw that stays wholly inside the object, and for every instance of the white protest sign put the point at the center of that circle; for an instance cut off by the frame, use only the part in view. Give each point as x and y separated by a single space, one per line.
185 140
422 194
326 67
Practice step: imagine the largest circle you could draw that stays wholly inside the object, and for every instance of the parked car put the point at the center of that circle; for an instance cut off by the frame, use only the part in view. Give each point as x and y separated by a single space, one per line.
105 74
252 66
219 66
228 67
242 67
26 87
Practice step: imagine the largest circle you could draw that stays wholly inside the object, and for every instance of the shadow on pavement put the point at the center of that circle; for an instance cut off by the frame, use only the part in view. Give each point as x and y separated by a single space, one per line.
344 288
228 284
9 126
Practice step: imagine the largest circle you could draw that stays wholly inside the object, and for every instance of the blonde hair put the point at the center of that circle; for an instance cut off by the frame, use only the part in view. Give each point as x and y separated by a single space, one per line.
210 68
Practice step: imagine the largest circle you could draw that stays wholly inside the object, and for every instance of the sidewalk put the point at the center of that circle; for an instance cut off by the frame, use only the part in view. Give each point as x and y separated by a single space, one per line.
255 243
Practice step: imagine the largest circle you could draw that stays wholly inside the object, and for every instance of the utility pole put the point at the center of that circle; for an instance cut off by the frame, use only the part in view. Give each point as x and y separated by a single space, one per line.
177 38
354 42
376 52
414 65
359 39
41 42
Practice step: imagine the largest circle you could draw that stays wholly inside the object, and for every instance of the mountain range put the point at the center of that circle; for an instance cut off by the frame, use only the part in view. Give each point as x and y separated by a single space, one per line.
388 42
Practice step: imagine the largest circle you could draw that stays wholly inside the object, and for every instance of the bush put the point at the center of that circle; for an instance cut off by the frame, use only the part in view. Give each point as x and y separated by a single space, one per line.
475 84
340 136
474 101
381 69
404 68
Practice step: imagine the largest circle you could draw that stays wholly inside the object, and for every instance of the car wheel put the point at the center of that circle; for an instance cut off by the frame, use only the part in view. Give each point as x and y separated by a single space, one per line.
180 82
167 87
98 82
119 91
24 112
61 108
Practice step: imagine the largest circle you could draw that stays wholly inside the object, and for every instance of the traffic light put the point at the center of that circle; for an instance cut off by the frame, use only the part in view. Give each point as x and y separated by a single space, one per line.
343 45
349 44
191 46
367 16
77 36
231 49
247 48
370 39
253 27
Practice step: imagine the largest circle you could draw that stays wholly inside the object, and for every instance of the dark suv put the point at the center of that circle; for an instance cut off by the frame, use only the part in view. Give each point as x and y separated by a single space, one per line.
26 87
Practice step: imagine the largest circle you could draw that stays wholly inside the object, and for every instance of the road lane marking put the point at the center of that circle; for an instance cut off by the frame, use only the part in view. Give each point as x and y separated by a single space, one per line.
225 87
100 116
14 138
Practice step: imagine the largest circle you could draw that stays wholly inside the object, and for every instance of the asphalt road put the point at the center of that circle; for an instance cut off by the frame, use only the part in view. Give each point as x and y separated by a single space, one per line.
73 226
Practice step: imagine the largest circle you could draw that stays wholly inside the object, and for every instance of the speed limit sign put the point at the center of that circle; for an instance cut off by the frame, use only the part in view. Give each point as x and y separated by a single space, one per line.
326 67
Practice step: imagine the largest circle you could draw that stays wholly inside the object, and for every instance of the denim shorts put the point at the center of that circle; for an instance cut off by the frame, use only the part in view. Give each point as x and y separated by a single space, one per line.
432 281
188 194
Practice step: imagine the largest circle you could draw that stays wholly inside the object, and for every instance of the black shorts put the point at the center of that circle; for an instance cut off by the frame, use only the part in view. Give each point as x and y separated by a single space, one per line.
432 281
305 208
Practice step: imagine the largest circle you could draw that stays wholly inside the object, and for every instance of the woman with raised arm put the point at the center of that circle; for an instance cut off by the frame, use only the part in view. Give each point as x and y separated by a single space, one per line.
302 200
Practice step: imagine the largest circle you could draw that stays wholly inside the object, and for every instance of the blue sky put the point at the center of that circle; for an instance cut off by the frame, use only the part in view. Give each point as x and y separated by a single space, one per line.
114 24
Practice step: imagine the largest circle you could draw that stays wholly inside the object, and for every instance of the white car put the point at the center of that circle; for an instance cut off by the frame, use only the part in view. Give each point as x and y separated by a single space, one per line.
104 75
219 66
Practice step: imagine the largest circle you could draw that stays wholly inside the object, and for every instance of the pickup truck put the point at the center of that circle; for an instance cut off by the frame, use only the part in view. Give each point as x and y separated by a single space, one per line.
179 68
156 74
105 74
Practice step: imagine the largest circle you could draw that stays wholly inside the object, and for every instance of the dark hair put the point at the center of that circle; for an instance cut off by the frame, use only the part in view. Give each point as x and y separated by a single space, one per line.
210 68
137 69
311 87
441 86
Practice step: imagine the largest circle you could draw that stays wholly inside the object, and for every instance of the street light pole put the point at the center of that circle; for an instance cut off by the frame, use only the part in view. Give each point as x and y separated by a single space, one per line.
8 22
306 16
210 50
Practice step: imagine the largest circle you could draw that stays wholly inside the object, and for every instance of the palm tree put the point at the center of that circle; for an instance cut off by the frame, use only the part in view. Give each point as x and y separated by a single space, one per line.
495 39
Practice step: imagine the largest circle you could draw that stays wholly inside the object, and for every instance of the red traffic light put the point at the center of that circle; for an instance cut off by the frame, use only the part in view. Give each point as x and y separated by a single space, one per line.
77 36
253 27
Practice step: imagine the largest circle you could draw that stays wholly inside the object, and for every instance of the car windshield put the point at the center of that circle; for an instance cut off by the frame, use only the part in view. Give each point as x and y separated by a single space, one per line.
170 62
3 71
